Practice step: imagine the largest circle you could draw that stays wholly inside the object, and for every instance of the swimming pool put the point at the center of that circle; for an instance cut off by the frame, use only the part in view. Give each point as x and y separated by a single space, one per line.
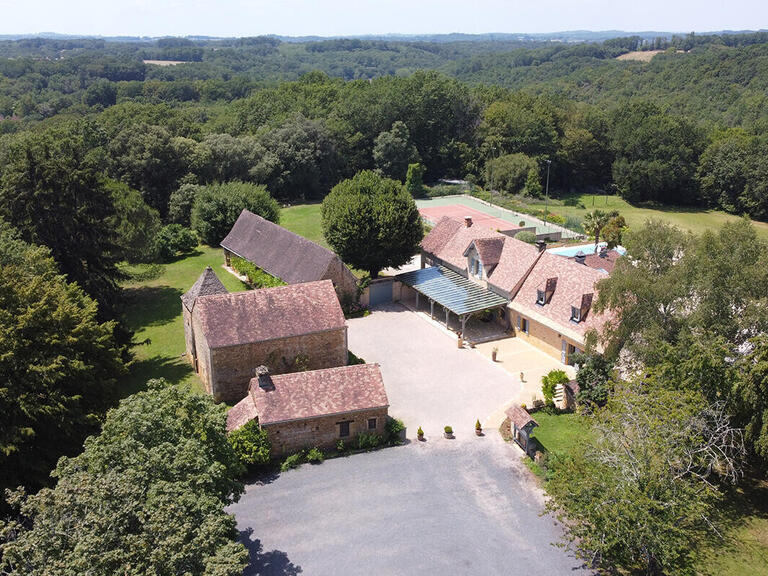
571 251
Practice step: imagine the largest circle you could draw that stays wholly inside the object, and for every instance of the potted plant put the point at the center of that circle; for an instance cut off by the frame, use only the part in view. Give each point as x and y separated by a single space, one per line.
478 428
420 434
448 432
494 352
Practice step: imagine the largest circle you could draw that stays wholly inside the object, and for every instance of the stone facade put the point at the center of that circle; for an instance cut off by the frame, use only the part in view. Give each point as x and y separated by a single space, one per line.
189 336
322 432
543 337
226 372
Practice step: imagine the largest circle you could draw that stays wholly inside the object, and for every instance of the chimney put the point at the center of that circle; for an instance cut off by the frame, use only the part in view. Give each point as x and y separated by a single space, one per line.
604 252
580 258
265 380
468 221
541 245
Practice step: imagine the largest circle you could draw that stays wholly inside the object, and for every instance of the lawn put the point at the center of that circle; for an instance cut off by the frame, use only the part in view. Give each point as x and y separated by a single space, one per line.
559 433
154 313
694 219
304 220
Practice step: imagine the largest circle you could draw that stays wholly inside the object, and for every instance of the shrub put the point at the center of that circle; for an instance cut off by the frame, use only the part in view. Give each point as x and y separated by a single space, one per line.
292 461
315 456
352 360
366 441
217 207
574 223
448 430
251 444
256 276
550 382
394 427
340 446
526 236
420 432
478 426
521 223
174 239
181 202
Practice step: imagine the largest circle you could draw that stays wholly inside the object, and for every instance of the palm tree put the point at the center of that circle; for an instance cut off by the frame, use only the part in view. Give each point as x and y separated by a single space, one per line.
593 224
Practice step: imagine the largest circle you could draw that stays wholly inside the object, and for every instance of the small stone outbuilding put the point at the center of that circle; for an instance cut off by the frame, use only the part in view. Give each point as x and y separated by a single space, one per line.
521 425
207 284
315 409
288 329
286 255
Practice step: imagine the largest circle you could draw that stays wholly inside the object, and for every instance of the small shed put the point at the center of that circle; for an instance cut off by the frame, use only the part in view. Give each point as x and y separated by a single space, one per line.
521 425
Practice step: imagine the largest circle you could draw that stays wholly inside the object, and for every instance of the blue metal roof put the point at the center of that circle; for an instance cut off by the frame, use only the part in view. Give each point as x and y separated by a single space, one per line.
451 290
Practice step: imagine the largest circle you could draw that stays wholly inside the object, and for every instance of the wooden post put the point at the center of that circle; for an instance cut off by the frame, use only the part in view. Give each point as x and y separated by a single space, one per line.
463 323
446 317
417 300
431 308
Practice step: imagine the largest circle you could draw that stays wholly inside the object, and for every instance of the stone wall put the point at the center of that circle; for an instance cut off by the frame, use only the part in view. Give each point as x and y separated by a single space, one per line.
233 367
544 338
188 335
202 363
343 279
322 432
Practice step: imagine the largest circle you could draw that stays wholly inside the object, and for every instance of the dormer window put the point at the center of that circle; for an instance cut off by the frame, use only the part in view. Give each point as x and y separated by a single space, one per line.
541 297
575 314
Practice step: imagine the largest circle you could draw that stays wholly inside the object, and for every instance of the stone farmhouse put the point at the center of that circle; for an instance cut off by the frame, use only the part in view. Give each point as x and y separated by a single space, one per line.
318 408
287 328
542 297
286 255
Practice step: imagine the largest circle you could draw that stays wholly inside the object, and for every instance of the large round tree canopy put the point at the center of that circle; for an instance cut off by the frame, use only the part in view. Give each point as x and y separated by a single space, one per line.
372 222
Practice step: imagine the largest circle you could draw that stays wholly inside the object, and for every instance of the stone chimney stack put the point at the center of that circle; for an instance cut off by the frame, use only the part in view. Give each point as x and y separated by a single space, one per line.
580 258
265 380
468 221
541 245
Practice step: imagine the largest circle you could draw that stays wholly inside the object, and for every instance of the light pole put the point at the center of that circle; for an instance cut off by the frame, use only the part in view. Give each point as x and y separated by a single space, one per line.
546 198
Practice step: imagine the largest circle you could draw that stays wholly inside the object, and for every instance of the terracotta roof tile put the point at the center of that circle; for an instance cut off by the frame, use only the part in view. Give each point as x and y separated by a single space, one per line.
208 283
573 282
241 413
605 262
303 395
439 236
269 313
489 250
278 251
519 416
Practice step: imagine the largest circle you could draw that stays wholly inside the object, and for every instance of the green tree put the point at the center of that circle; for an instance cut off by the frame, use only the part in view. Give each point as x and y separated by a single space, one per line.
218 206
594 222
414 180
136 224
174 239
58 364
641 491
52 191
372 222
513 173
613 231
594 377
146 496
393 152
102 93
181 202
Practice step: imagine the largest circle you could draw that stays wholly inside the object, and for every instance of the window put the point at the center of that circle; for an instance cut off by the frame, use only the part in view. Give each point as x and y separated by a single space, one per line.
524 325
479 269
541 297
343 429
371 423
575 314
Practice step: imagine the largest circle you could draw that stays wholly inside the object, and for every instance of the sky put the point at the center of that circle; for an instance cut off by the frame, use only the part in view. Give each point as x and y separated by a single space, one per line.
348 17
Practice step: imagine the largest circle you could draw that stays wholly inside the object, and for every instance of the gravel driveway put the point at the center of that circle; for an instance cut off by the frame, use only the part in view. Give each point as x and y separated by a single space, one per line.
430 381
448 507
420 509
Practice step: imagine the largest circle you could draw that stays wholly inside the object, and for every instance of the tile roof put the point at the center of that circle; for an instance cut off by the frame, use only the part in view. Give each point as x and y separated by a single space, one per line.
208 283
573 282
519 416
269 313
606 260
278 251
450 239
303 395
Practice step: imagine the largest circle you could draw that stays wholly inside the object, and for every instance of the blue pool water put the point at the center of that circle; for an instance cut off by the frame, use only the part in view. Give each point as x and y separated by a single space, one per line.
571 251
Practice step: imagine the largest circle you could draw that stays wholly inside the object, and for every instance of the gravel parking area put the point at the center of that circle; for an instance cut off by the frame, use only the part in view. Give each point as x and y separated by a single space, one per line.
424 508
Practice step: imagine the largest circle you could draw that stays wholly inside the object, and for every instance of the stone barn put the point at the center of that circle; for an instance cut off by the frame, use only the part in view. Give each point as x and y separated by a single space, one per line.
285 255
208 283
307 409
288 329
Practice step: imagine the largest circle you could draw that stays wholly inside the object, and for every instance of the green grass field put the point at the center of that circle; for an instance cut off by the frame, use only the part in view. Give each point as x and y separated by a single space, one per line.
154 313
696 220
559 433
304 220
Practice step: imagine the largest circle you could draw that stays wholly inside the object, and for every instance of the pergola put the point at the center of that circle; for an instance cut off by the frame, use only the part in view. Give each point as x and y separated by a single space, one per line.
452 291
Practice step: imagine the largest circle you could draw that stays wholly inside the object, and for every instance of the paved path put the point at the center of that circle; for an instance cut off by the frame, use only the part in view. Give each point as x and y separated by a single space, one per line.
420 509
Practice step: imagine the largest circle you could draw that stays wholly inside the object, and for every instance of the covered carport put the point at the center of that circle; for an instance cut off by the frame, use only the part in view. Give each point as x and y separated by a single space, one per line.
455 293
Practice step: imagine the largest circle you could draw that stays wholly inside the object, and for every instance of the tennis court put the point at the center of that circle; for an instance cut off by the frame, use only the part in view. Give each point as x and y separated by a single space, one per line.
433 214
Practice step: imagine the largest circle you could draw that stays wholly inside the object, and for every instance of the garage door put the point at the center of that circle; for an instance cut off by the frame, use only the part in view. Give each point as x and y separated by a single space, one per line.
381 292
